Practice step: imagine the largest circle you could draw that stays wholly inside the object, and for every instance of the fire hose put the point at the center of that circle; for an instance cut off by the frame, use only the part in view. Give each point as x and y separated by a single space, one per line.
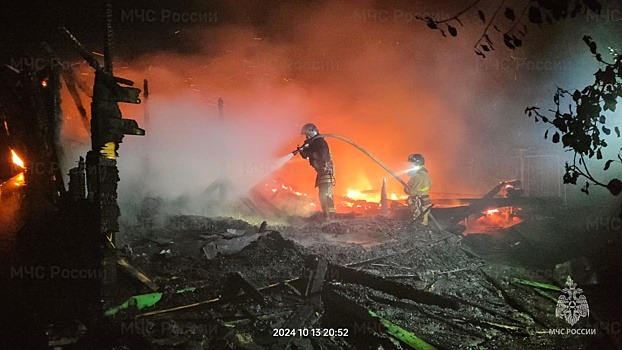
297 150
367 153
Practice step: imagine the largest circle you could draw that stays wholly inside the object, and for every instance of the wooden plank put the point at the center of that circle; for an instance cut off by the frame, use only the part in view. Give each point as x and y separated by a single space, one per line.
134 272
212 301
316 280
345 274
236 283
513 302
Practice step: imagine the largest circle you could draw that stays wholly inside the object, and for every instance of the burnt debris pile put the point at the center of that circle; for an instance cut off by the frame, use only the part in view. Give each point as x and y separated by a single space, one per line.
200 283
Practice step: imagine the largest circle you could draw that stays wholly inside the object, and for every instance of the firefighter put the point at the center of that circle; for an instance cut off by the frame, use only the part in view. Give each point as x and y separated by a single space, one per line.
418 189
316 150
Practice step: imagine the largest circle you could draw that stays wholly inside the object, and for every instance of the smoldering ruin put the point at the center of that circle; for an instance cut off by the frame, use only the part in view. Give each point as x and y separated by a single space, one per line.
156 192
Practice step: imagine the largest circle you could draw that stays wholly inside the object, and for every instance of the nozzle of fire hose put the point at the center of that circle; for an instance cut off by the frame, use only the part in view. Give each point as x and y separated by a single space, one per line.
300 148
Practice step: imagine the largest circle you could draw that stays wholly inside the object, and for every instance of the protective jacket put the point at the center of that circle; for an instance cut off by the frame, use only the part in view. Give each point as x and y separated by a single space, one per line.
316 151
419 201
419 183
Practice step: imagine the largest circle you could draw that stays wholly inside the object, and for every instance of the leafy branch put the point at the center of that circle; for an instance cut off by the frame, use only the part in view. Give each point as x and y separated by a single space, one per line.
538 12
432 24
583 127
485 35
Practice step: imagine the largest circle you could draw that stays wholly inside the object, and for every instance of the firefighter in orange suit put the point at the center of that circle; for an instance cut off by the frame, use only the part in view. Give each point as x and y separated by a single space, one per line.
316 150
418 189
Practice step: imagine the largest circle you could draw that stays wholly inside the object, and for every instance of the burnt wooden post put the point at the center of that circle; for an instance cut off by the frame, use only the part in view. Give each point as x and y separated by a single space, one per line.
107 131
384 203
54 121
146 98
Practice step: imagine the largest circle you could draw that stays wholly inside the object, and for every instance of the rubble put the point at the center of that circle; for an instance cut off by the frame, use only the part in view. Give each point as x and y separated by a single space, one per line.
407 289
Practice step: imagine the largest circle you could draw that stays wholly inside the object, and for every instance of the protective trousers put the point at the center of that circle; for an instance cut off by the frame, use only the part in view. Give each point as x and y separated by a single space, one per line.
419 206
326 198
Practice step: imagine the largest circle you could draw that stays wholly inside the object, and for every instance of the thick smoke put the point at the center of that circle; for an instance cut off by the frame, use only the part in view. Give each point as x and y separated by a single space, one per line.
374 75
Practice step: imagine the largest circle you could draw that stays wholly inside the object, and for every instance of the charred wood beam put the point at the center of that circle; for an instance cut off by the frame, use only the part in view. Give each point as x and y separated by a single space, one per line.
77 181
304 316
134 272
514 329
444 319
108 40
243 321
511 301
146 99
488 310
263 202
534 290
215 300
498 188
316 278
307 314
393 265
433 272
82 85
470 253
235 283
372 260
88 56
70 81
293 289
348 275
454 215
415 277
52 95
249 203
56 117
384 203
362 319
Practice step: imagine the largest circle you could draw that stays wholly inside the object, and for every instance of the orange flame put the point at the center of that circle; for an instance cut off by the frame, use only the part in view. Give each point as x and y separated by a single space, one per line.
17 160
356 194
371 196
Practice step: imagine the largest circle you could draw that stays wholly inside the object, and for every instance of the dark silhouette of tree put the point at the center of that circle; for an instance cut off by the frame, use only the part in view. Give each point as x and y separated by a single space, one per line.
583 127
509 27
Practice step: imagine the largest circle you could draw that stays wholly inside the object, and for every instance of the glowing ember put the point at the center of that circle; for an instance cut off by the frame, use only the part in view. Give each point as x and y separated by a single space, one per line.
368 195
44 83
19 180
395 197
354 194
17 160
492 220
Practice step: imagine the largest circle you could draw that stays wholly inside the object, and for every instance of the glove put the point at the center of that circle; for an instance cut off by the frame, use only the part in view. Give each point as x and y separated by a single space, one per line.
302 150
298 149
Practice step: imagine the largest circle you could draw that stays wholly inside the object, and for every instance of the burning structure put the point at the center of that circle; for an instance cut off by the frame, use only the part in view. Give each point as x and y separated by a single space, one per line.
202 235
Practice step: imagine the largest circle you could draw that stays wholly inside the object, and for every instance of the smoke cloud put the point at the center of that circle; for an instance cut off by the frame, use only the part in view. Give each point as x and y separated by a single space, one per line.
370 73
